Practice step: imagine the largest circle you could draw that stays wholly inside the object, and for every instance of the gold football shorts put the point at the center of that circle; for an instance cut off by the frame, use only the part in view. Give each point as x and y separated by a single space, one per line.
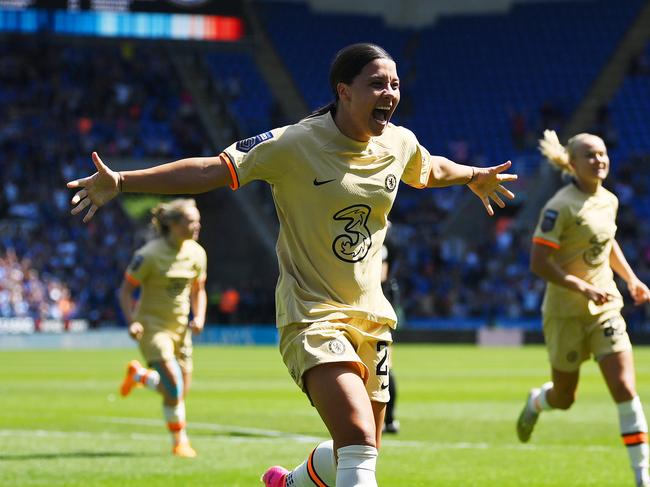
572 340
159 345
361 342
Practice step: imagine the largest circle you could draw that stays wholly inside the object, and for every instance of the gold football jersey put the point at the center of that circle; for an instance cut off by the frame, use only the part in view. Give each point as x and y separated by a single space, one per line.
332 196
581 227
165 275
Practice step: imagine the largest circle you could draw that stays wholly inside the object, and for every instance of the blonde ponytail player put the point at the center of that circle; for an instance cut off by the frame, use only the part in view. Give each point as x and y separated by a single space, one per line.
170 272
575 251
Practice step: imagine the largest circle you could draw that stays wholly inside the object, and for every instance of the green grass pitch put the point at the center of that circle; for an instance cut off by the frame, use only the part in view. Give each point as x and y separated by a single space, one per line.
62 422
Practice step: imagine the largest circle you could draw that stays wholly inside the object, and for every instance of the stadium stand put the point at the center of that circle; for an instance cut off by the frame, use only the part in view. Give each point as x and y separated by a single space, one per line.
473 92
245 90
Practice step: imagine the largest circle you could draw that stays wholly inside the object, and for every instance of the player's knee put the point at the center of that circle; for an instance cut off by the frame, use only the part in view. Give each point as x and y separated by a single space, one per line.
357 434
564 399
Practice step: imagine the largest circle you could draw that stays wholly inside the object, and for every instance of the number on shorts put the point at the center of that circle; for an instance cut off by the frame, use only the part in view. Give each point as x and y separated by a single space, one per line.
382 366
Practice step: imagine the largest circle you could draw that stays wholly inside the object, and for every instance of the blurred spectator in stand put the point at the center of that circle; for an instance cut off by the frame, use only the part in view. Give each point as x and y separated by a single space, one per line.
229 305
519 129
390 288
551 116
26 294
604 127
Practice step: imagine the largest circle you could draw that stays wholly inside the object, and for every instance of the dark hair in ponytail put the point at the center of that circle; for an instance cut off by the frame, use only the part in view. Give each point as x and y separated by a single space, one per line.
346 66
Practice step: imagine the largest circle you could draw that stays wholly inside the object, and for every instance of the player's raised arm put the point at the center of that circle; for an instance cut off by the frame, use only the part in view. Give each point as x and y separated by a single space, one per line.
485 182
185 176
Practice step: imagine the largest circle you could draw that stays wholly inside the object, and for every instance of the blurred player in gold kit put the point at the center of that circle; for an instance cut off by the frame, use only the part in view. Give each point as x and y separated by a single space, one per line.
575 251
170 271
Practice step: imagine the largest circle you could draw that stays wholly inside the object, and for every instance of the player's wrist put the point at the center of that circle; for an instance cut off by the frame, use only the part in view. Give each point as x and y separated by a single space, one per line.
472 178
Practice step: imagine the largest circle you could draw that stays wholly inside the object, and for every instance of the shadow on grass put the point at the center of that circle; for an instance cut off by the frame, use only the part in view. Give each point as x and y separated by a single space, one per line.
259 434
72 454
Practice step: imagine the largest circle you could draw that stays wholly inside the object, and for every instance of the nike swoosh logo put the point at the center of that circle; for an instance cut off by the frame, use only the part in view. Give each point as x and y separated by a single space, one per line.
382 387
318 183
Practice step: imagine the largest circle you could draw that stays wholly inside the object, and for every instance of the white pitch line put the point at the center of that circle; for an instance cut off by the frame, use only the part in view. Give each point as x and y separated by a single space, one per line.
79 434
257 435
429 445
112 436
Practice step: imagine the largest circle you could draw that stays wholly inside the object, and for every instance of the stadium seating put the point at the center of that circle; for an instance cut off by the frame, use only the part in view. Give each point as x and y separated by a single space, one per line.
244 88
630 110
466 76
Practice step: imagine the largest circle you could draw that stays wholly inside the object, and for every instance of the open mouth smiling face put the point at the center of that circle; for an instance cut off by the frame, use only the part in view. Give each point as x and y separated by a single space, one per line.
373 97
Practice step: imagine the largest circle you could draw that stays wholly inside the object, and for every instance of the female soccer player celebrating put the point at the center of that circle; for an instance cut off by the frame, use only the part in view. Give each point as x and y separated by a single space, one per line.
170 272
575 251
334 177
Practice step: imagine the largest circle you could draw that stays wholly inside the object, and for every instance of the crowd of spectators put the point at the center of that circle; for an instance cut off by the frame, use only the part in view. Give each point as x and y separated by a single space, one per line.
26 293
59 101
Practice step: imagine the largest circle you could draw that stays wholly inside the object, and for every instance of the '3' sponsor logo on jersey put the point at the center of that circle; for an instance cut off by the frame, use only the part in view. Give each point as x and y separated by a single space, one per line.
354 244
595 255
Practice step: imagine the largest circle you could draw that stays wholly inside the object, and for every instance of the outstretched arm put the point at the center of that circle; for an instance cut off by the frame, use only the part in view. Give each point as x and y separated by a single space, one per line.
185 176
638 290
485 182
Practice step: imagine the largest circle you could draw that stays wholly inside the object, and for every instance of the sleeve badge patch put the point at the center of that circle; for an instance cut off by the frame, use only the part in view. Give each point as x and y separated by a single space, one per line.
548 220
246 145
